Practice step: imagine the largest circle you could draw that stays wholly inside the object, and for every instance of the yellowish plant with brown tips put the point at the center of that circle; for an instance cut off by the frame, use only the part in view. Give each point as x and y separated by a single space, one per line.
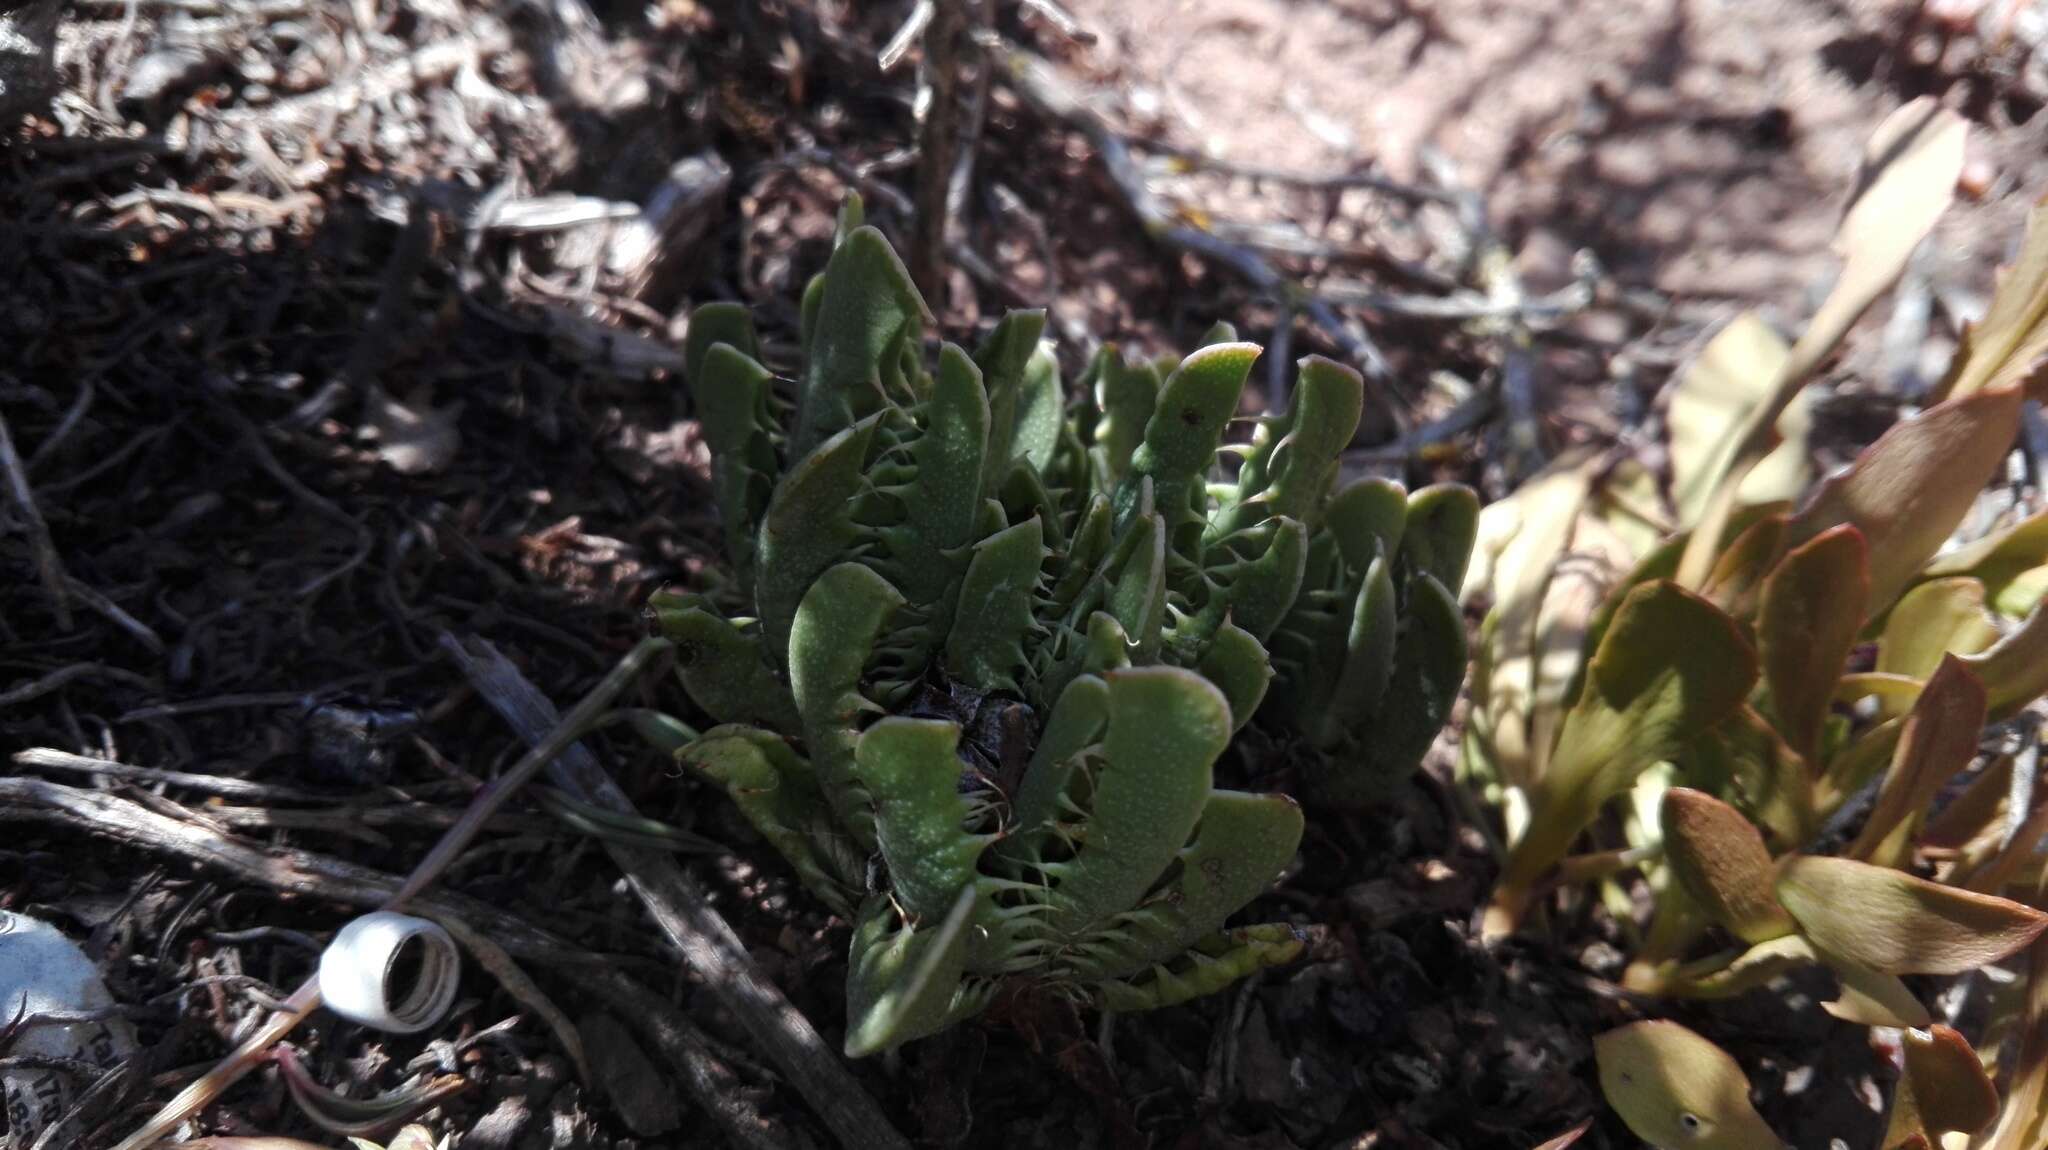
1752 697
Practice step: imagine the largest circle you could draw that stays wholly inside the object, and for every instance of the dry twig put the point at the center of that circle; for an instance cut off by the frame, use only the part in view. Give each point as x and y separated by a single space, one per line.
49 567
707 943
938 139
711 1083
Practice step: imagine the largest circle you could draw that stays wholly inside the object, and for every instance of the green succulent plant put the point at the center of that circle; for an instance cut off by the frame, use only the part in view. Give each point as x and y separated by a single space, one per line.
999 640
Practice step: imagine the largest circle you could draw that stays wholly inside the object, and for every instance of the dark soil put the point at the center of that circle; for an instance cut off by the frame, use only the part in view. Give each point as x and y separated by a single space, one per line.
291 411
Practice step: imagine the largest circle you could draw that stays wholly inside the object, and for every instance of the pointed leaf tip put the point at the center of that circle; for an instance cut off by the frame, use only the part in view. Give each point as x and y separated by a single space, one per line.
1895 923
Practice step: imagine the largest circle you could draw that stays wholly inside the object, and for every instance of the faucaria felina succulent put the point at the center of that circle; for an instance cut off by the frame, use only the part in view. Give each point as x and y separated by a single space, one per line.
984 644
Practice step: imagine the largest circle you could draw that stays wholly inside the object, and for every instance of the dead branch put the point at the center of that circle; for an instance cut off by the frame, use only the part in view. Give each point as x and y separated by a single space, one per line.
938 139
49 567
712 1085
671 896
49 758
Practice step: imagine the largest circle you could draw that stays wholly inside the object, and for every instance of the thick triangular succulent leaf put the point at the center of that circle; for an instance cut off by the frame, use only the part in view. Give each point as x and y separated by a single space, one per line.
1237 663
1669 667
1293 457
723 667
1896 923
829 646
1205 968
1429 669
710 325
1676 1089
1086 551
1720 857
1041 411
1101 646
1908 491
1937 618
1437 536
1166 728
808 310
1125 395
1911 165
1939 741
941 502
1137 595
904 981
808 527
777 792
1108 646
732 392
1195 404
1263 590
1367 518
1252 579
852 215
1078 721
1308 654
1026 496
1004 357
911 770
1243 843
986 646
868 310
1368 655
1808 614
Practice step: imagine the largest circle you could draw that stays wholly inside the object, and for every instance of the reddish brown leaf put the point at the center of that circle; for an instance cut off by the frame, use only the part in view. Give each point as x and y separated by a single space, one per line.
1811 608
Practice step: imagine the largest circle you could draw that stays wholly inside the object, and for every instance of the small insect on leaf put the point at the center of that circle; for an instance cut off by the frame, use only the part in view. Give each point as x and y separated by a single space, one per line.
1677 1090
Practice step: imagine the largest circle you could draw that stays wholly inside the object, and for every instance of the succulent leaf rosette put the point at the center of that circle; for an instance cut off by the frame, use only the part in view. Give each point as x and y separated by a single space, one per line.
983 645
